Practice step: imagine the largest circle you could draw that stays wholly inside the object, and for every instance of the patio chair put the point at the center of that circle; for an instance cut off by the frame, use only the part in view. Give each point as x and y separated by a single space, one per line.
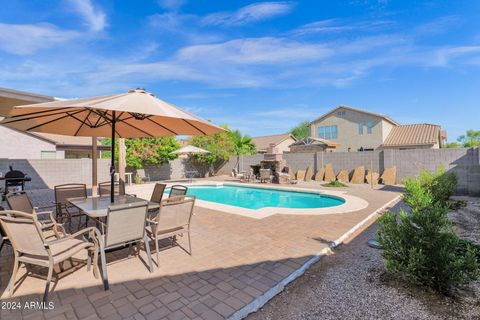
178 190
125 226
65 211
157 196
265 175
104 188
21 202
3 236
30 247
158 191
173 219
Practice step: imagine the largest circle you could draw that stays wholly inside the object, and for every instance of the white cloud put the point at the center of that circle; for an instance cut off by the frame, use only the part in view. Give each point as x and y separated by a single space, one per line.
443 56
27 38
171 21
95 18
437 26
338 25
251 13
255 51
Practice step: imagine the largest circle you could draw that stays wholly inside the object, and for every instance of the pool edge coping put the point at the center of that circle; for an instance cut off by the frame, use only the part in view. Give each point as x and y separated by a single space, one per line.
259 302
351 204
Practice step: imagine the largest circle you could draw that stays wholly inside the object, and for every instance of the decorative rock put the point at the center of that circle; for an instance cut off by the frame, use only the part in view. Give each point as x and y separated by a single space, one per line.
329 173
292 175
343 176
358 175
308 174
372 175
320 174
389 176
301 175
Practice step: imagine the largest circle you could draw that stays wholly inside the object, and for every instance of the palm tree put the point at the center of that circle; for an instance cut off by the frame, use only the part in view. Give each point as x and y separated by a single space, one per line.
243 145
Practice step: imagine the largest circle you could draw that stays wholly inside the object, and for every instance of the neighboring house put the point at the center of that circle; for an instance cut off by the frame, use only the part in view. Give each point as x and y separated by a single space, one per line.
354 129
281 141
16 144
312 144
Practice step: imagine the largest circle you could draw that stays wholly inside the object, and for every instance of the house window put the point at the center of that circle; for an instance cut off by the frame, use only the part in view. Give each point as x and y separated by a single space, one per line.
369 127
327 132
360 128
48 154
341 113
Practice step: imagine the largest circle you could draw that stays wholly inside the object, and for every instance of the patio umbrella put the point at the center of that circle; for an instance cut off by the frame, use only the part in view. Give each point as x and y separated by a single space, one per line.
191 150
134 114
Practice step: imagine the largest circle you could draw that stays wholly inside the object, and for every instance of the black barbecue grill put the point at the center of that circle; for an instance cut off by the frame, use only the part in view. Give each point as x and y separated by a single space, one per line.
14 180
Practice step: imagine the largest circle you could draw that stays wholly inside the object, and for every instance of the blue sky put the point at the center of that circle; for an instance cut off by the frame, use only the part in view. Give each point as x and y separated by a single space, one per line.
261 67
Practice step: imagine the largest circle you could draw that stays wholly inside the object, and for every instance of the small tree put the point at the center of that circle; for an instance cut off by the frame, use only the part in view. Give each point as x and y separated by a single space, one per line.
453 145
471 139
243 145
144 151
301 131
220 145
421 244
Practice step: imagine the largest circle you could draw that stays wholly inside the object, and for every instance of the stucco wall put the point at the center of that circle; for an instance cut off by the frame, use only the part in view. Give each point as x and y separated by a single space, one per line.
18 145
49 173
347 127
464 162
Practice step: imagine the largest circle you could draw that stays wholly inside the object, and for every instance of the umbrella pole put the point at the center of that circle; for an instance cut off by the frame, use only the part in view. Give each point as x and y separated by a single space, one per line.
112 164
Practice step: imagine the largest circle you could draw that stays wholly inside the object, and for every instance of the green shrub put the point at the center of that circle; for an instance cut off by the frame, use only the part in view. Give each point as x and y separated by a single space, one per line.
428 189
334 184
421 244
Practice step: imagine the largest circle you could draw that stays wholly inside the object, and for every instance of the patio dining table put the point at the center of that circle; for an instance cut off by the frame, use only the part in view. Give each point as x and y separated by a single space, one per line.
97 207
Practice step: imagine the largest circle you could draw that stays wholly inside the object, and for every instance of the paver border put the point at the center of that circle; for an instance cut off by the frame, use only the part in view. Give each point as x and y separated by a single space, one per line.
272 292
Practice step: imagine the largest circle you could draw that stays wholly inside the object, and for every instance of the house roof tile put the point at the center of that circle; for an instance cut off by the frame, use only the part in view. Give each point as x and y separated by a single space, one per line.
413 134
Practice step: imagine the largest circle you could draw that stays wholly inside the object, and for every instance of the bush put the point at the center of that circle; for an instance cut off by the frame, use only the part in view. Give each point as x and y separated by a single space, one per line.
334 184
421 244
428 189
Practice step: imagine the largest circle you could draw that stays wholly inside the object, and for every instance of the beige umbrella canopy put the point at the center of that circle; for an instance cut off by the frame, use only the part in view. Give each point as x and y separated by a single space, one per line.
134 114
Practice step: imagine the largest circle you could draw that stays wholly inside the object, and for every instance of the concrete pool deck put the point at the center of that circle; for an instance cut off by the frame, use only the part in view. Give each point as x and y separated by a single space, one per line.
237 264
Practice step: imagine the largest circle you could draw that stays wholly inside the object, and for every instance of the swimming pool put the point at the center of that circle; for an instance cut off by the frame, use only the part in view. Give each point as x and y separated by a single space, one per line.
258 198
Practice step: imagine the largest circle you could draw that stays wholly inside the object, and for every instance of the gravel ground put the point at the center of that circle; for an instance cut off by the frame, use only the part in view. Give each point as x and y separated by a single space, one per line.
351 284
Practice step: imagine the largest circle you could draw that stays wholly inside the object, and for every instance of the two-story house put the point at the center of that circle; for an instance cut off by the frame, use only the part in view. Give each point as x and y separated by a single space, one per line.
356 130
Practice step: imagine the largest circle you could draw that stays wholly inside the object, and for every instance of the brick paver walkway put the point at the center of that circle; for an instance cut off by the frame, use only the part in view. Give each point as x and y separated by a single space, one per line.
235 260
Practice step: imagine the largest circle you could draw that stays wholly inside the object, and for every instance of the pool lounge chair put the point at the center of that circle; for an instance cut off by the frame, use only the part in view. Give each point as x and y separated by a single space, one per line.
30 247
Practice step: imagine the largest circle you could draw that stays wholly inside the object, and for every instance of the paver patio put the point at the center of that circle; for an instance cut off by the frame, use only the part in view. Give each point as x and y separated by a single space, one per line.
235 260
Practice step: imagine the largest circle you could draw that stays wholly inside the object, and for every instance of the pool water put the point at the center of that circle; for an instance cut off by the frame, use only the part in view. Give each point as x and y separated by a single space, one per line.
256 198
